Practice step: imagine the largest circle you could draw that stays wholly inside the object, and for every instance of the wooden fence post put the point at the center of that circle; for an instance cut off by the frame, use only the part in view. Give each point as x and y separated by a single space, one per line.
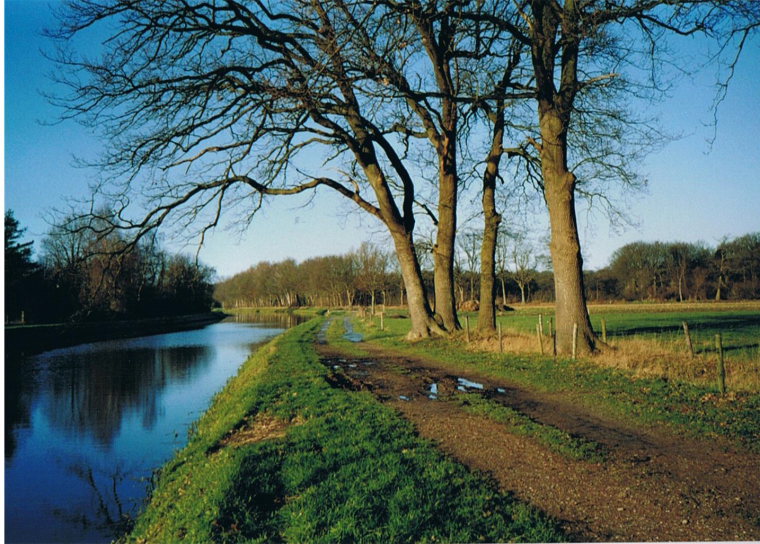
688 339
721 364
604 330
467 327
382 321
540 339
541 324
498 328
554 344
575 340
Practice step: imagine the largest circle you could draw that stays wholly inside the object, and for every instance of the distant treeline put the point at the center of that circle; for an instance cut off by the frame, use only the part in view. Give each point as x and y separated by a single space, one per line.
681 271
637 271
80 276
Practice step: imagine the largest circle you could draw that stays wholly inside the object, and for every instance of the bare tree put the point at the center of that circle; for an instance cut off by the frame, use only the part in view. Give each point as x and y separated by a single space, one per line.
579 51
209 107
522 256
470 244
372 270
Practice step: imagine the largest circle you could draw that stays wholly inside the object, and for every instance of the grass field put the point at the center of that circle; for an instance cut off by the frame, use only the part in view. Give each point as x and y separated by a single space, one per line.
738 323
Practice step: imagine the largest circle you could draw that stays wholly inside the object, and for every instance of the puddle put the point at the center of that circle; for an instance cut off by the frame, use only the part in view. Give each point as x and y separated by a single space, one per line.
350 335
322 334
433 391
464 384
403 397
352 365
501 390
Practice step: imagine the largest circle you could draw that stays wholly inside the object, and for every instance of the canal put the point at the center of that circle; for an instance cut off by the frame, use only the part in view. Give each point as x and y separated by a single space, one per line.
86 426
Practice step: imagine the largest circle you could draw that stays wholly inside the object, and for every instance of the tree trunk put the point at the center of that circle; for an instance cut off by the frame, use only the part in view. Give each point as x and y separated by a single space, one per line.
559 191
487 309
443 274
555 106
570 305
423 323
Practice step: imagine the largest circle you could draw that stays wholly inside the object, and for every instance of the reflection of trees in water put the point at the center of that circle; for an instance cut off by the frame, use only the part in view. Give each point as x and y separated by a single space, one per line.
92 393
19 385
284 320
111 513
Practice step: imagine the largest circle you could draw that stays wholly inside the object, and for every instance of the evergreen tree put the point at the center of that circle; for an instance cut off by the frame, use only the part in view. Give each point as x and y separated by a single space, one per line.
19 267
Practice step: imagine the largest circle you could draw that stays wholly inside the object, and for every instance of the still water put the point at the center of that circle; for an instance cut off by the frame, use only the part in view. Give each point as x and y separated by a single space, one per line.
85 426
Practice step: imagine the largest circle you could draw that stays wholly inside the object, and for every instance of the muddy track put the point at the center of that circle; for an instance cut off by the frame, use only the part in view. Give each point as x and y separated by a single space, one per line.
654 486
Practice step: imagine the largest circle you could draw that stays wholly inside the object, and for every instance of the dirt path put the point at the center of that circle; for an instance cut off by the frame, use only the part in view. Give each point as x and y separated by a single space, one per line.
653 486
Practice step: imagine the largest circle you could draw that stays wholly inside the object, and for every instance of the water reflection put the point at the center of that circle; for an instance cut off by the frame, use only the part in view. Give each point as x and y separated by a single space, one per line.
85 426
285 320
92 394
91 391
108 514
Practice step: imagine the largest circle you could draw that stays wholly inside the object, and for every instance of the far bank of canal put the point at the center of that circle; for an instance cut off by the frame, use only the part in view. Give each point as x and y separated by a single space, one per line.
86 425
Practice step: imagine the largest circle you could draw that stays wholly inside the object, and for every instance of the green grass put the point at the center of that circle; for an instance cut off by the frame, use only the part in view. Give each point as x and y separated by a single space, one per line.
518 423
688 408
347 470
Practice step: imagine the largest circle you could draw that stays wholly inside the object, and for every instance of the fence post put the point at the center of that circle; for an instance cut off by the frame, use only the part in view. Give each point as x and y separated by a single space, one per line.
498 328
540 339
604 330
721 364
575 340
688 339
467 327
554 344
382 321
541 324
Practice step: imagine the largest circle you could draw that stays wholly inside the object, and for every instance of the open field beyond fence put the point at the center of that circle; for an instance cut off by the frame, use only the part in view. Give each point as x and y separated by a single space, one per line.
649 339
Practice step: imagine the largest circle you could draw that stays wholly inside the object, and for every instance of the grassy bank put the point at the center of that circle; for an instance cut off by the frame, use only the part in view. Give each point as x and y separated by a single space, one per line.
282 456
692 408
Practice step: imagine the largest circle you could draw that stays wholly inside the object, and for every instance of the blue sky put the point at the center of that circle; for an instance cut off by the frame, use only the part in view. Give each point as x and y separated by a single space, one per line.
697 191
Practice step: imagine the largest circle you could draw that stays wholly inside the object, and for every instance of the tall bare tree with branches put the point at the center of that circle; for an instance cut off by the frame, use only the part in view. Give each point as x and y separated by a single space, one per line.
213 106
584 55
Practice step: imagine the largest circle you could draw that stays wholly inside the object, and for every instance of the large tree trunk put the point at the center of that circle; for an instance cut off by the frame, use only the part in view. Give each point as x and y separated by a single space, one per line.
487 310
423 323
554 111
559 190
443 274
